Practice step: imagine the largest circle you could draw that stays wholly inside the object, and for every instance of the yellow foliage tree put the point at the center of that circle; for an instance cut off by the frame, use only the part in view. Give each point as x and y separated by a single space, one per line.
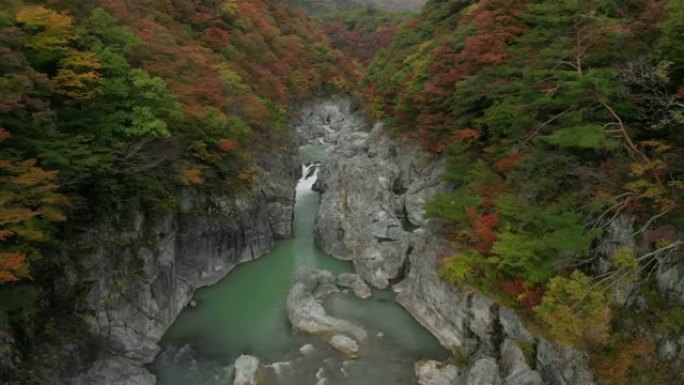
48 30
574 313
78 76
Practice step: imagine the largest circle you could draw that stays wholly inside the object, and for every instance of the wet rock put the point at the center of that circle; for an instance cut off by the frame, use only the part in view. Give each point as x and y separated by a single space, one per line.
437 373
321 378
305 311
515 366
484 371
345 345
307 349
246 368
281 369
354 282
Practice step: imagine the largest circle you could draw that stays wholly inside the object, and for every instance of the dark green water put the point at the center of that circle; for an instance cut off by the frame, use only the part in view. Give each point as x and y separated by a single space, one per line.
245 314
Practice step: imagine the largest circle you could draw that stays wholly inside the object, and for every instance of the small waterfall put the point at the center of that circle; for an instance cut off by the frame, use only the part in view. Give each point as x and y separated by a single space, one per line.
309 177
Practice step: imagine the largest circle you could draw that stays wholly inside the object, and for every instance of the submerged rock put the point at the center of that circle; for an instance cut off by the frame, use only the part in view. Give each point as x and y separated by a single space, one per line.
321 378
305 311
307 350
437 373
246 368
345 345
354 282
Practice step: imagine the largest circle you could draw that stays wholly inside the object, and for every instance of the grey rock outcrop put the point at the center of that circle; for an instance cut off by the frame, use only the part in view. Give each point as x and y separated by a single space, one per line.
560 364
355 283
305 311
517 370
6 346
372 200
140 273
670 279
484 371
372 212
326 119
436 373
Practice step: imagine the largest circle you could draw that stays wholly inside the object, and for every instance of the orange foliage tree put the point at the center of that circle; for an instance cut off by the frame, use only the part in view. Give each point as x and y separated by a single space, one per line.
29 202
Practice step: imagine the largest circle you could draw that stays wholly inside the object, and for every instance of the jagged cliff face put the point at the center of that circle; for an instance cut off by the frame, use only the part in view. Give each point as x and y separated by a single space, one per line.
372 212
138 277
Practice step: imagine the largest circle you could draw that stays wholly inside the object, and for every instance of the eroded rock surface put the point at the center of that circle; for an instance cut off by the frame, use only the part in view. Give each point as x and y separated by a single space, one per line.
246 368
305 310
437 373
372 201
355 283
345 345
372 213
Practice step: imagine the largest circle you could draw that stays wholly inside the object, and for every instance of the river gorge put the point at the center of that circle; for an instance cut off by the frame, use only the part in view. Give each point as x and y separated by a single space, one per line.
367 217
274 266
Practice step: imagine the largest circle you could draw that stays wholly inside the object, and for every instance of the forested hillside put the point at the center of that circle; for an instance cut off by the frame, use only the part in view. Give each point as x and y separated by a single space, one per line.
322 7
113 100
563 124
361 33
359 28
108 103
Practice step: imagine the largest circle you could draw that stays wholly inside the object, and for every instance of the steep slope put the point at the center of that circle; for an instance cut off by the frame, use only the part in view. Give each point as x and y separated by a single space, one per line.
143 153
561 123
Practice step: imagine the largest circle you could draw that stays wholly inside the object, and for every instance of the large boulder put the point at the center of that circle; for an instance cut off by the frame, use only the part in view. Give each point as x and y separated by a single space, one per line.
355 283
305 311
246 370
345 345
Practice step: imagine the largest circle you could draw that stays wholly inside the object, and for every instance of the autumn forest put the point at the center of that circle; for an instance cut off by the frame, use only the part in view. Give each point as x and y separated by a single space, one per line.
561 124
